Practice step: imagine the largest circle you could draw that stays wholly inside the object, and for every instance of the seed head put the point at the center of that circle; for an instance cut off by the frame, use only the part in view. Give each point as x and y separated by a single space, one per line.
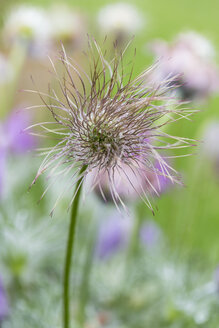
109 123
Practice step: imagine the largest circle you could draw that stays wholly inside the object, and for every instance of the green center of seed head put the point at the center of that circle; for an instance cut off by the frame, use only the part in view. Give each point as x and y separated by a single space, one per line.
103 140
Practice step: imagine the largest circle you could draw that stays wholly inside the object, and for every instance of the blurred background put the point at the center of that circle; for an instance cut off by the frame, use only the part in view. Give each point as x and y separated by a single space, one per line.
139 271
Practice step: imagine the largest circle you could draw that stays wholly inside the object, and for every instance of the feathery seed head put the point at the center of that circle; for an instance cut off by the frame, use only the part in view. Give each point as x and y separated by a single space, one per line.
107 123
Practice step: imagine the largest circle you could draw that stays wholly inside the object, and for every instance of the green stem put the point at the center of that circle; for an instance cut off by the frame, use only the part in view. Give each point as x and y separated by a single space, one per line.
69 252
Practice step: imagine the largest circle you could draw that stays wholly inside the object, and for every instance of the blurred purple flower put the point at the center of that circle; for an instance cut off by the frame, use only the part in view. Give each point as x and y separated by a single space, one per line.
4 308
163 182
150 234
13 139
113 235
18 141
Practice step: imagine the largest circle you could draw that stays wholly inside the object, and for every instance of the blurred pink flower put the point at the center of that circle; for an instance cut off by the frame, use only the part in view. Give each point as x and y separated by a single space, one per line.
130 183
190 57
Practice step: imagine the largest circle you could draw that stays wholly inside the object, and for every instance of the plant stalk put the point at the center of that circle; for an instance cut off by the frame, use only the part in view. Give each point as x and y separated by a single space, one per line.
69 253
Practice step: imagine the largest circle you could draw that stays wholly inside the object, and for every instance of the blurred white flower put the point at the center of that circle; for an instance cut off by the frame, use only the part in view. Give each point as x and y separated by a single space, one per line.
28 24
120 18
190 57
66 25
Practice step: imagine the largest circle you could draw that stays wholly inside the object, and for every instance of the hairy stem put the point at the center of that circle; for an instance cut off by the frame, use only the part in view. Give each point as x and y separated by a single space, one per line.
69 252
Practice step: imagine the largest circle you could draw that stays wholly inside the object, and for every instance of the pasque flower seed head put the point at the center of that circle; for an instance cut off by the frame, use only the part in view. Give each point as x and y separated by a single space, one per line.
107 121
